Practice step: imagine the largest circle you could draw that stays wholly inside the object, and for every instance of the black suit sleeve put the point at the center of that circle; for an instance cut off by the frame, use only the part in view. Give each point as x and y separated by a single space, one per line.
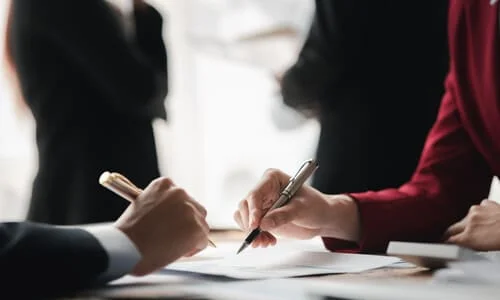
41 260
132 75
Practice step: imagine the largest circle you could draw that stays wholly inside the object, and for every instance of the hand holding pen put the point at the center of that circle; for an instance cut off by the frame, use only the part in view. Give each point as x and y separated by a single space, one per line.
124 188
163 223
307 213
268 207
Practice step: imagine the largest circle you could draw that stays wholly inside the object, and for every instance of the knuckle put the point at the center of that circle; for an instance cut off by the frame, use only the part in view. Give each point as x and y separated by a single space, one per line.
474 216
203 211
164 182
473 209
272 172
179 193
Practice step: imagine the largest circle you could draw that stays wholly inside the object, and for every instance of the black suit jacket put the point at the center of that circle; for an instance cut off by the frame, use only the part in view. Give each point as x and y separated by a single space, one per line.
372 72
93 94
39 261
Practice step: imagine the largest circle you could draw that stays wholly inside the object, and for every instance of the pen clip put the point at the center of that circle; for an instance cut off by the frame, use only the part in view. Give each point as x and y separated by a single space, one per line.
301 169
125 180
287 190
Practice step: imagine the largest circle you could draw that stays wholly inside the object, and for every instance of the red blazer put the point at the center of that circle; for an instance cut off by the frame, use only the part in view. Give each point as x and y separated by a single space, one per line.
462 151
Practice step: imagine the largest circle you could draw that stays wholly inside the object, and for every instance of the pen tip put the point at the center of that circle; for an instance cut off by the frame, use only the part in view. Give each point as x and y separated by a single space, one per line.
242 248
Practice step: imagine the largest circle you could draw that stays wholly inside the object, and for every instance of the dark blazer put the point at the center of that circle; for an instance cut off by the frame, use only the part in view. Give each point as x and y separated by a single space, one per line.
39 260
93 95
372 72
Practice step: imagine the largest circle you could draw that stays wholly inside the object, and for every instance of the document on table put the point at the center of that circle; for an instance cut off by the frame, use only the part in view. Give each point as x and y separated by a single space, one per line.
474 272
272 263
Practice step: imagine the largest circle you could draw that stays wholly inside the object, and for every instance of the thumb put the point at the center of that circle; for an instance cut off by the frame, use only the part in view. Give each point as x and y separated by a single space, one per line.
278 217
457 239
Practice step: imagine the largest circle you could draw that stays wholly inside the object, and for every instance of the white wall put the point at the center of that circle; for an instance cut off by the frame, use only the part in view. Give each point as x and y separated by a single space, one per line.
17 152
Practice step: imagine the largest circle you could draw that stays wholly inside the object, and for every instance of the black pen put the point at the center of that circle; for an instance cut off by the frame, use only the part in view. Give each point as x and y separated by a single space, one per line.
294 184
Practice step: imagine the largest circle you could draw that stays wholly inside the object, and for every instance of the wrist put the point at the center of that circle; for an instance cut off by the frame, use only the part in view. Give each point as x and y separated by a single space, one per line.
343 221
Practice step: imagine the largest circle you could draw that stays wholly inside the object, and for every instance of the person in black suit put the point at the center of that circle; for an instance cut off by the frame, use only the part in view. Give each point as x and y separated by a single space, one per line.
94 86
369 71
39 260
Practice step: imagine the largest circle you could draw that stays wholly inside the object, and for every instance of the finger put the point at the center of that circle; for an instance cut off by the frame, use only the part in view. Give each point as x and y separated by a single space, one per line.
455 229
243 208
263 241
199 207
258 241
487 202
266 241
155 188
270 239
255 211
204 225
458 239
264 195
199 216
237 219
163 183
280 216
202 243
192 253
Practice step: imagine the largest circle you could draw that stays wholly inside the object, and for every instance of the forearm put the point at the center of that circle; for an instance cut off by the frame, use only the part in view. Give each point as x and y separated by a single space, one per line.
59 260
450 177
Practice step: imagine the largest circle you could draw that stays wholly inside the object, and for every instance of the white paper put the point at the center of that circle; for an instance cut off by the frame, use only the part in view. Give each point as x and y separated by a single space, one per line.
478 271
276 263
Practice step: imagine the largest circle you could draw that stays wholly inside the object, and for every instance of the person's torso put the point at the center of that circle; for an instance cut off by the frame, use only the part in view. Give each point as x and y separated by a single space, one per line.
474 39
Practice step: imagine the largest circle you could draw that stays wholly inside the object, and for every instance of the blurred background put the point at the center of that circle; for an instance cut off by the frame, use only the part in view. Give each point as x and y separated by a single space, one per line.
227 123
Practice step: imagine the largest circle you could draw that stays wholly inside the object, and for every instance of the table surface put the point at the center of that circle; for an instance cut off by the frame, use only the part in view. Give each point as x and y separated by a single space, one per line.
223 238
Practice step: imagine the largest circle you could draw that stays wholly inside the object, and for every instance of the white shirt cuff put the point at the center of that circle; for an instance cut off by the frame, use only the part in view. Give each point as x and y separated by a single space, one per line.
122 253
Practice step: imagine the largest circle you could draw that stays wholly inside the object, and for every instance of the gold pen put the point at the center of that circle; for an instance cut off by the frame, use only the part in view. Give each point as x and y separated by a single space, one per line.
124 188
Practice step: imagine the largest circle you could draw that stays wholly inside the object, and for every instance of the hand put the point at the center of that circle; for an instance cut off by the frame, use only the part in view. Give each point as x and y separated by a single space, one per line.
479 230
165 223
309 213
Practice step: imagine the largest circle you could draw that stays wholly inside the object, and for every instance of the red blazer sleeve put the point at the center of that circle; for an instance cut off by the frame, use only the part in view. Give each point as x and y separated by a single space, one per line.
451 176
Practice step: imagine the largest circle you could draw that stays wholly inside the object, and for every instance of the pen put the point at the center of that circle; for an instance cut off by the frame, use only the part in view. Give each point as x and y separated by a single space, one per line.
294 184
124 188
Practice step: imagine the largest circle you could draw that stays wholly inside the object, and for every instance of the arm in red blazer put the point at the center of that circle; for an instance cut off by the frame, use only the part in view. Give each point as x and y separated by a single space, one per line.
450 178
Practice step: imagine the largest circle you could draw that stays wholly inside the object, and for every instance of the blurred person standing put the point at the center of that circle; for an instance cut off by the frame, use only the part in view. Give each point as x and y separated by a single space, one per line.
372 73
94 81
